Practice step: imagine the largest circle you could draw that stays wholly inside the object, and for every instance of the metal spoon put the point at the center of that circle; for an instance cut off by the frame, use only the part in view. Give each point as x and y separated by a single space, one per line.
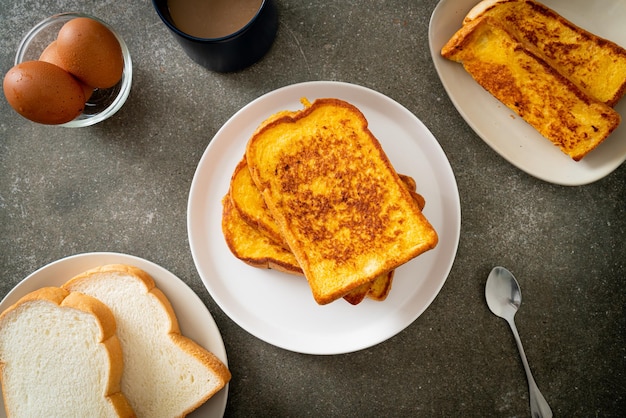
504 298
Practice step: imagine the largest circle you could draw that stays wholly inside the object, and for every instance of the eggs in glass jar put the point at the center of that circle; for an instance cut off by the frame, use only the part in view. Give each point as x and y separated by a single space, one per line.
85 56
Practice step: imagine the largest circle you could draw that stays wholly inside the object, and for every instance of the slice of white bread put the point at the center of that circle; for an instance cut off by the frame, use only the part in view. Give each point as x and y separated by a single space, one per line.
60 357
165 373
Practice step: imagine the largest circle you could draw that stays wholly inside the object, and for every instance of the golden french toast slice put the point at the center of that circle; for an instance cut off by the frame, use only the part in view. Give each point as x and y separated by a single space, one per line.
248 200
255 249
338 202
596 65
247 244
528 85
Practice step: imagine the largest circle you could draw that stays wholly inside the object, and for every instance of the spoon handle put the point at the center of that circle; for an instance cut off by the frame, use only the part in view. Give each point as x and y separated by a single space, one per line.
539 407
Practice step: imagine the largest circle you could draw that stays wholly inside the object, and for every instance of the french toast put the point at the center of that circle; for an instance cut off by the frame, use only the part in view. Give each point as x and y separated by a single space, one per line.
528 85
252 235
596 65
358 294
254 248
337 200
380 288
248 201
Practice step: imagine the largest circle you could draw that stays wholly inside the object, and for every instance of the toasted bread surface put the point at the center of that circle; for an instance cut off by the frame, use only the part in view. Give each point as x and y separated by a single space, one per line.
252 235
528 85
248 201
165 373
338 202
253 247
256 249
596 65
60 356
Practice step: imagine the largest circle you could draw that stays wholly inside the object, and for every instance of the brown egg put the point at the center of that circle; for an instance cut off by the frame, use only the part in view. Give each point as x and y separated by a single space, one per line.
91 52
51 55
43 92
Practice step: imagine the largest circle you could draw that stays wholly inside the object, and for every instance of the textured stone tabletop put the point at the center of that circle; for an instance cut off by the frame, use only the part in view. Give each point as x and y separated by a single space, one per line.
122 186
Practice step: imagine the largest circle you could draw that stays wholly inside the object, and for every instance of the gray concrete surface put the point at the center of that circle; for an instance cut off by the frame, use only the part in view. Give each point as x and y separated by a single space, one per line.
123 185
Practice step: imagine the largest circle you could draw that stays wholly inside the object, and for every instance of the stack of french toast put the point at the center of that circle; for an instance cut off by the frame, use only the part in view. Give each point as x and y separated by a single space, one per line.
316 195
561 79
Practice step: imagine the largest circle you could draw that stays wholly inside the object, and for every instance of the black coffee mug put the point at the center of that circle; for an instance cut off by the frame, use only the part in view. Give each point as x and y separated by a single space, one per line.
232 52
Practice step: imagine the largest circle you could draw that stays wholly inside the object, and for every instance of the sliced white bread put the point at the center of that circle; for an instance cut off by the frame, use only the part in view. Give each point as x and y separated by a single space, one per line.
60 357
165 373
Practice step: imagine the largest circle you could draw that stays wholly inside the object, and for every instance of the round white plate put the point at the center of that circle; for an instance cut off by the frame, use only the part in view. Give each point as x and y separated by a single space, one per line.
194 319
278 308
505 132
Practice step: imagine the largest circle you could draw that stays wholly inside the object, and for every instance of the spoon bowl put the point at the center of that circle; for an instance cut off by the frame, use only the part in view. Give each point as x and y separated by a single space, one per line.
504 297
503 294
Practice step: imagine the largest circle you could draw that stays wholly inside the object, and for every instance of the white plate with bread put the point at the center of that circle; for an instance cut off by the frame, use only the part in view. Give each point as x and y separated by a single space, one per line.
279 308
194 319
503 130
